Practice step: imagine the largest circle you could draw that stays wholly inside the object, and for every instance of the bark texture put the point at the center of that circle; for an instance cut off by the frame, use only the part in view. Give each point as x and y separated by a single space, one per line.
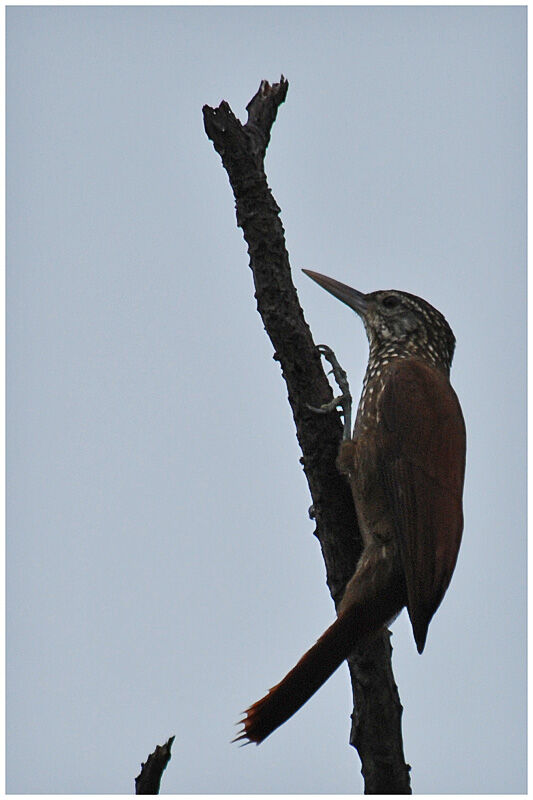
376 730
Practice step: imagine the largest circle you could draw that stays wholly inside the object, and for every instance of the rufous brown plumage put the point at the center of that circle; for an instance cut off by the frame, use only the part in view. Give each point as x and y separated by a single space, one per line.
405 464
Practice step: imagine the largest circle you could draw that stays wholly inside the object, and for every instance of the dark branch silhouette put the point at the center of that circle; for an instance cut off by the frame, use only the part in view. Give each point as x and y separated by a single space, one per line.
376 720
148 780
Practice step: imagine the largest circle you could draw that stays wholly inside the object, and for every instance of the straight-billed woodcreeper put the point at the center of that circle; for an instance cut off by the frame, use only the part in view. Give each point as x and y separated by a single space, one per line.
405 464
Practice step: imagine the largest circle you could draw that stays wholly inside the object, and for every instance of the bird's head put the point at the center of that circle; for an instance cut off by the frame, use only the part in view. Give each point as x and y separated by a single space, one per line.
397 323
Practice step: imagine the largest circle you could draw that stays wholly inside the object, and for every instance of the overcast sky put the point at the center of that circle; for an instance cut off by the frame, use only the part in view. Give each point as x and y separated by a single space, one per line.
161 568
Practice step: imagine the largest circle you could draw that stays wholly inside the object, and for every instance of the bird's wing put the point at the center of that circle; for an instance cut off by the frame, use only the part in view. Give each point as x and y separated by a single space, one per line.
422 461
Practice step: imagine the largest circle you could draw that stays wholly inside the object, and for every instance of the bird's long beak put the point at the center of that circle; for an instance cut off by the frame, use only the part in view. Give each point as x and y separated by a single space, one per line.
353 298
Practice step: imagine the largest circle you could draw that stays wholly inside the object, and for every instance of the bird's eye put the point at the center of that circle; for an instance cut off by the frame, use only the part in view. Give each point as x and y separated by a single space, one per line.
390 301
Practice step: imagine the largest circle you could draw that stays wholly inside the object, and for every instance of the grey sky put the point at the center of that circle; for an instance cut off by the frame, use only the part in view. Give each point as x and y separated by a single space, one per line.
161 568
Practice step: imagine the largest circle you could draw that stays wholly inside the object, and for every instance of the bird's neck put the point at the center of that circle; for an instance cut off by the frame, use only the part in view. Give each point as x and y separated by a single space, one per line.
382 359
384 351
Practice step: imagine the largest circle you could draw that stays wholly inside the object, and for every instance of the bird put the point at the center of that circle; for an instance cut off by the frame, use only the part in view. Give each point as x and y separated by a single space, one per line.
405 464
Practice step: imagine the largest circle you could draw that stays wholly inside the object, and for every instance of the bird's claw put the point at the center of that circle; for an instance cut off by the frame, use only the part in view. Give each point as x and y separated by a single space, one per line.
344 401
326 407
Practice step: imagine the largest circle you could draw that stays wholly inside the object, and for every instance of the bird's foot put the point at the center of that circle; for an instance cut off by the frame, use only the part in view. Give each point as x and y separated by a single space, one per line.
344 401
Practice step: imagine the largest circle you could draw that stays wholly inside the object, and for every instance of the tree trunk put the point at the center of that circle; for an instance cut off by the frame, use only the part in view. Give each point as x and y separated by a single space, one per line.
376 729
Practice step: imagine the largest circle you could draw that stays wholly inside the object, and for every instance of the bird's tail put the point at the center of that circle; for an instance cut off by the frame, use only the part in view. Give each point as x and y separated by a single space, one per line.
357 622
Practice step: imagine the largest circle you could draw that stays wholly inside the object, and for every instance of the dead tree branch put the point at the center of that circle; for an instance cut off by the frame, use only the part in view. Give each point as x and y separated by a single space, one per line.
376 729
148 780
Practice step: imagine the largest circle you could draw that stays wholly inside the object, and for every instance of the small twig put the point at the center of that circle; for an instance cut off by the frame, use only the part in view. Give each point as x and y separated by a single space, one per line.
148 780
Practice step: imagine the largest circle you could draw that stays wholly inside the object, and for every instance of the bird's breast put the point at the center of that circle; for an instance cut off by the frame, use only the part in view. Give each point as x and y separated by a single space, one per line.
358 460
